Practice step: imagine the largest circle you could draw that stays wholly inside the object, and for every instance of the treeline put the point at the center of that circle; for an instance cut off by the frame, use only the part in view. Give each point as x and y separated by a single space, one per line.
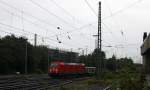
120 74
110 64
14 51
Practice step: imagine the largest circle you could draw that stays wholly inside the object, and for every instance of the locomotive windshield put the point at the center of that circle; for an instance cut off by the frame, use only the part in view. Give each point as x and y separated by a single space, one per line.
53 65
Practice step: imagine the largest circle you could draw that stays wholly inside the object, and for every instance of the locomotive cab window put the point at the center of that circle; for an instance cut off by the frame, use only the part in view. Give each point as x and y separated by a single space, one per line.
53 65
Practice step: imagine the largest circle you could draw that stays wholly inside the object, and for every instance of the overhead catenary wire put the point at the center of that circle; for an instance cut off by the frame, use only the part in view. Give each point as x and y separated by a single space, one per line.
122 10
29 39
123 46
97 16
40 20
15 28
69 37
6 32
74 30
23 31
31 16
91 7
122 33
108 7
23 18
36 18
33 33
102 22
63 9
117 12
27 14
59 18
37 4
81 28
65 33
20 28
113 35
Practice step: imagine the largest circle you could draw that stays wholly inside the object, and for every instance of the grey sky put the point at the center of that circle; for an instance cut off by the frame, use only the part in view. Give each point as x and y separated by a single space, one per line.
122 30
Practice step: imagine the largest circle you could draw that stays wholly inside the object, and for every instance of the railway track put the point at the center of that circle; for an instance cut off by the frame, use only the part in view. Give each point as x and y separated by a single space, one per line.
30 82
33 82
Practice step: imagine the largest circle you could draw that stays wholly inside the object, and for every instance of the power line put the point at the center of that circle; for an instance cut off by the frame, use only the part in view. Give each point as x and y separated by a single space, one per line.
59 18
38 35
109 30
96 14
80 28
14 27
40 20
31 33
22 23
6 32
77 30
28 14
91 8
117 12
129 6
21 29
108 7
52 13
22 18
65 11
111 12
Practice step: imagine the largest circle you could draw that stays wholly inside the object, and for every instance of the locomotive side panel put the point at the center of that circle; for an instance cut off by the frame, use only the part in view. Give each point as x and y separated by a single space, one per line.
66 69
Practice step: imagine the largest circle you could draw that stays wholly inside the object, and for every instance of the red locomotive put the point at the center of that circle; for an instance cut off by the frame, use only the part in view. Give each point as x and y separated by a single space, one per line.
65 69
69 69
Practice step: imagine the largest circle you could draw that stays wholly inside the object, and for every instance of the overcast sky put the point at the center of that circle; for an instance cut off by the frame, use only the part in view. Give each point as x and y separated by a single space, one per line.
74 22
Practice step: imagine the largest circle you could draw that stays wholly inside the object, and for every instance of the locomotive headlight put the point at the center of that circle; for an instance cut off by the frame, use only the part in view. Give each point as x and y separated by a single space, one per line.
56 70
53 69
50 70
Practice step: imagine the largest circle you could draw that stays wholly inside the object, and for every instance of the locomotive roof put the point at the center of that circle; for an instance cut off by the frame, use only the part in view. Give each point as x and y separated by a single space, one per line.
73 63
59 62
90 67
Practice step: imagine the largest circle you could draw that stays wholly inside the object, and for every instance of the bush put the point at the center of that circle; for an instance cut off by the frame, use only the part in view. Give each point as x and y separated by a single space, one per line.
63 88
38 71
99 82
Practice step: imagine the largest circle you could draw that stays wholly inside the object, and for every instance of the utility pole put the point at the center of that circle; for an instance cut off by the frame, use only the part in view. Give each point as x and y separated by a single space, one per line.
26 58
86 50
99 28
48 61
35 40
86 56
83 52
99 64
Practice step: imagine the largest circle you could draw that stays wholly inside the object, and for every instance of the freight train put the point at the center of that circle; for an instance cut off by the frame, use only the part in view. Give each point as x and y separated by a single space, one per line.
62 69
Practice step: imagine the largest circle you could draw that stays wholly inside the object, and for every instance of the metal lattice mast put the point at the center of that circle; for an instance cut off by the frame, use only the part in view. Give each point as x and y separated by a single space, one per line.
99 27
99 45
